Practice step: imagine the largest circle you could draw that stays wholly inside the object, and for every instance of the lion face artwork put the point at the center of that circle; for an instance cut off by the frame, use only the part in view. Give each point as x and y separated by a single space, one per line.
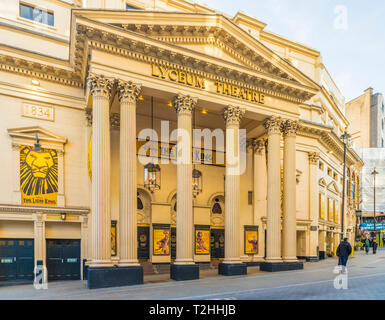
38 176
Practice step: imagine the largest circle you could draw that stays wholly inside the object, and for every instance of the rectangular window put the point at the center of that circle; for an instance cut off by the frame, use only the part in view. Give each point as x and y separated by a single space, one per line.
329 172
321 206
330 210
36 14
250 197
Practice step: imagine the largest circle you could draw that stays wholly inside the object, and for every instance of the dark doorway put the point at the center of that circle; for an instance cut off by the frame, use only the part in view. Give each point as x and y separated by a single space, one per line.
143 243
217 243
16 259
63 259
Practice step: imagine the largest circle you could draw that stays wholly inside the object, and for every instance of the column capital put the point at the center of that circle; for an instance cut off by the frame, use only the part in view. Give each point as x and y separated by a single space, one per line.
258 145
273 125
128 90
233 115
184 103
313 157
290 127
100 85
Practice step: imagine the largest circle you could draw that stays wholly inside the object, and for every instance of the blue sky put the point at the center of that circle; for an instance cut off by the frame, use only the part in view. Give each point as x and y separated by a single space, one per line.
350 34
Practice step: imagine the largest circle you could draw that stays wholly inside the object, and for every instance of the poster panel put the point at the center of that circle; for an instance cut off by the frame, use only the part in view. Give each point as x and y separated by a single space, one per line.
38 176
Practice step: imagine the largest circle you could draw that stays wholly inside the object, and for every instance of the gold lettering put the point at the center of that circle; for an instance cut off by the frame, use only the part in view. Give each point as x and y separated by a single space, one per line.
154 74
261 98
190 79
200 83
255 97
242 93
219 86
182 77
226 89
234 91
173 75
163 71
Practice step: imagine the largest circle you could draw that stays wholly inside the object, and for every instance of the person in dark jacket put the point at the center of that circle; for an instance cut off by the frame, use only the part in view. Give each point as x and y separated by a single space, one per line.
375 244
343 252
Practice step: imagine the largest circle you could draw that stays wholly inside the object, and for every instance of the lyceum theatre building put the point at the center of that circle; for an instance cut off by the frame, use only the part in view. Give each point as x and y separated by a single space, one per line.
99 102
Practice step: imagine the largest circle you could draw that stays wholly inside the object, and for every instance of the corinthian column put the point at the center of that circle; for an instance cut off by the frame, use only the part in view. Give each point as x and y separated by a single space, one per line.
184 267
260 193
101 163
289 226
232 264
273 223
128 94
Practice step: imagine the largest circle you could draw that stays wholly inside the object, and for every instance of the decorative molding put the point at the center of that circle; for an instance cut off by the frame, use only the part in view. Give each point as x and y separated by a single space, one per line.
128 91
4 208
273 125
233 115
313 157
115 121
184 103
258 145
290 127
100 85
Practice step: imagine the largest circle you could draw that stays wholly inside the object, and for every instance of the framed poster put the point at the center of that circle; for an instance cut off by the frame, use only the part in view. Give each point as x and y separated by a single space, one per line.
38 176
251 240
113 238
202 239
161 240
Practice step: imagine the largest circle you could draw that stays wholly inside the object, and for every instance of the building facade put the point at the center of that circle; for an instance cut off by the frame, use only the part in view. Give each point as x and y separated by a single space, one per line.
366 116
80 85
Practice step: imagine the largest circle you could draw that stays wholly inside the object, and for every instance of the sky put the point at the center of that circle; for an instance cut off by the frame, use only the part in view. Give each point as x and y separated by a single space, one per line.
349 34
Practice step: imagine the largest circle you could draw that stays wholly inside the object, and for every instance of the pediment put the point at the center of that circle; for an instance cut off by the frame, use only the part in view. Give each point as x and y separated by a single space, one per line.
208 43
332 186
27 136
322 182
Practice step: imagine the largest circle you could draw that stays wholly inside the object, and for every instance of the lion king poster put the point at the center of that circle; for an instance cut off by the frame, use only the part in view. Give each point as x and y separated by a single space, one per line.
161 241
251 239
202 241
38 176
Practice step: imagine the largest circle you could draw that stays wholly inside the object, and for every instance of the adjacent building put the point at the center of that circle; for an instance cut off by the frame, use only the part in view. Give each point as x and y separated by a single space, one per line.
80 83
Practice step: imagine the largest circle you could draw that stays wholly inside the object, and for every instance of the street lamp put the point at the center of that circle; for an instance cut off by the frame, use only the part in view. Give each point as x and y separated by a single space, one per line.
345 140
374 173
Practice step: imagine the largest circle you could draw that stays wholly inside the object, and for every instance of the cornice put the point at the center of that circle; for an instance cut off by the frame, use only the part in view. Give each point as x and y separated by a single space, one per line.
34 209
149 50
330 140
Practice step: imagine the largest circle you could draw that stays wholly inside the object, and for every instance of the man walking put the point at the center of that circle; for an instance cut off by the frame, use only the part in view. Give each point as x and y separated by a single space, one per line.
367 245
343 252
374 246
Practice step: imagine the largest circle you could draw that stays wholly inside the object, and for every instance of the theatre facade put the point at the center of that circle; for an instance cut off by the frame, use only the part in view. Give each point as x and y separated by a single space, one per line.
96 180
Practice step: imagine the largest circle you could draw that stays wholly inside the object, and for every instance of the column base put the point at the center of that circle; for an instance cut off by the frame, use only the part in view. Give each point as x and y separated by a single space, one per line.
183 272
309 258
280 266
253 263
114 277
232 269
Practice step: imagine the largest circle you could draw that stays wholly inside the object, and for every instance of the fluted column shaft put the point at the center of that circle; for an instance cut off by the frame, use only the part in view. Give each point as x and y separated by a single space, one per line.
128 94
184 106
260 192
232 116
289 227
273 222
313 202
101 164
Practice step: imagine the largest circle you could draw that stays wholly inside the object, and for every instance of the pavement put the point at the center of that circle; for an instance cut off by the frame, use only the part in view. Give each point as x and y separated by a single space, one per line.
365 279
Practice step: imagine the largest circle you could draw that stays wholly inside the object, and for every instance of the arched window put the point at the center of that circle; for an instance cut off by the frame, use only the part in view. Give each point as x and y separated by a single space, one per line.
139 203
216 208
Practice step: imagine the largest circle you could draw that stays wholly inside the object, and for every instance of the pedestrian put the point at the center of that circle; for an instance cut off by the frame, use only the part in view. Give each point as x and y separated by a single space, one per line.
375 244
343 252
367 245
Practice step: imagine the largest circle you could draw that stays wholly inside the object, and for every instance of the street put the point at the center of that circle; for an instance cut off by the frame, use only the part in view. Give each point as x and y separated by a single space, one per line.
366 280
